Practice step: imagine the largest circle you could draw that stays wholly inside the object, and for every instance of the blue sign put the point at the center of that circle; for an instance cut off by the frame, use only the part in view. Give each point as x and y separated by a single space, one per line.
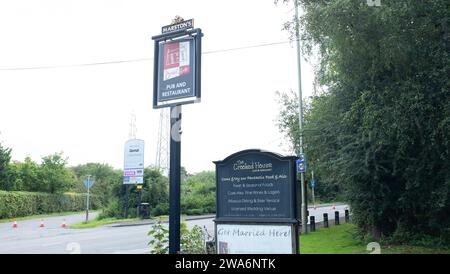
88 183
313 183
301 163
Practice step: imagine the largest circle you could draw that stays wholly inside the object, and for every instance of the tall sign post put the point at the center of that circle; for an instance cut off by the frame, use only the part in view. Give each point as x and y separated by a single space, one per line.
133 168
88 184
176 81
256 196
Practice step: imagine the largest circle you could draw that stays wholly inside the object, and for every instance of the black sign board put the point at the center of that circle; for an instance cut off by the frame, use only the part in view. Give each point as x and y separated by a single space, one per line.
177 66
256 186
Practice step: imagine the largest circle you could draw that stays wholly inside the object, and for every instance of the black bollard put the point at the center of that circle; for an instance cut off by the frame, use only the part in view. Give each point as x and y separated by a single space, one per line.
336 218
347 216
312 223
307 213
325 220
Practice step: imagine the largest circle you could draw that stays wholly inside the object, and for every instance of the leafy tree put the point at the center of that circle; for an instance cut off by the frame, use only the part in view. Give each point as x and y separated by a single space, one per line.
105 177
381 119
28 174
198 193
54 175
5 174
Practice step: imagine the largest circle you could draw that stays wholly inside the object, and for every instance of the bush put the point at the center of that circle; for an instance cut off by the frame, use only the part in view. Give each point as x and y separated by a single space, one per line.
113 210
191 241
19 204
160 209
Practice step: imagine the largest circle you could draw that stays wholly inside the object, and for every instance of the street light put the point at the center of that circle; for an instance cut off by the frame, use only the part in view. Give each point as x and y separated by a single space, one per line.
300 120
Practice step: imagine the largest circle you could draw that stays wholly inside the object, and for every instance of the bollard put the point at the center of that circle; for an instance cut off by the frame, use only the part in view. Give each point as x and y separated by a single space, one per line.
325 220
312 223
307 213
336 218
347 216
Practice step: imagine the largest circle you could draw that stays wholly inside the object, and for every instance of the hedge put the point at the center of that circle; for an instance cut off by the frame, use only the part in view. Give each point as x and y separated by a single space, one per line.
19 204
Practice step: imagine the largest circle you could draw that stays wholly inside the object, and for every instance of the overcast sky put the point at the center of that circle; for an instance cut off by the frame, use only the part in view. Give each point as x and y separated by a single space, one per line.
84 111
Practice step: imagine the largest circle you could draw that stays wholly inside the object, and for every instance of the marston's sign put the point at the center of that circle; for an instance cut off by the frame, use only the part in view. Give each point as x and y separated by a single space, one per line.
188 24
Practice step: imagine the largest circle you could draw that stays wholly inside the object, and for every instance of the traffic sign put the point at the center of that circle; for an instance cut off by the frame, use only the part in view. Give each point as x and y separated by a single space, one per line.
301 163
88 183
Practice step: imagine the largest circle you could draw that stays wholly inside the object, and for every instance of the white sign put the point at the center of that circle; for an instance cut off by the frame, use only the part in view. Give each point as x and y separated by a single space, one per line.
254 239
133 161
127 180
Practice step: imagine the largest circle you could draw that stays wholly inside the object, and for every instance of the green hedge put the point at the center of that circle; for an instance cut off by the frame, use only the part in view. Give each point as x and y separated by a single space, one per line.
19 204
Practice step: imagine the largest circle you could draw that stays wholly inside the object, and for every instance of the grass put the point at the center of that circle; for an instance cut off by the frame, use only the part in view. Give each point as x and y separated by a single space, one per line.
106 221
334 240
42 216
339 240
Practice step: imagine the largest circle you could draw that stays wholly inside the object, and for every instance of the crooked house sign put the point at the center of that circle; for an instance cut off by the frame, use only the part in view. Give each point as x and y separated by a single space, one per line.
256 203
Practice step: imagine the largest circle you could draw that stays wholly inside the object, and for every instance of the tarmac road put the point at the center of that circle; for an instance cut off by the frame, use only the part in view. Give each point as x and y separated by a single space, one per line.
29 238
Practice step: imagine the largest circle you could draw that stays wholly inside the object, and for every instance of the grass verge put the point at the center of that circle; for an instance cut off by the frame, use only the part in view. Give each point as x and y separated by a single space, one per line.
106 221
43 216
339 240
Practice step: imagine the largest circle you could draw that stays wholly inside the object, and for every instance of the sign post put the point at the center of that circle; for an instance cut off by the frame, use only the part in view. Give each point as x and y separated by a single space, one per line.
176 81
133 168
88 184
313 186
256 203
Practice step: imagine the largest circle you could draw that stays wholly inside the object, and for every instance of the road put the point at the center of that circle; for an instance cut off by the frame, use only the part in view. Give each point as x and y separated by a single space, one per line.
29 238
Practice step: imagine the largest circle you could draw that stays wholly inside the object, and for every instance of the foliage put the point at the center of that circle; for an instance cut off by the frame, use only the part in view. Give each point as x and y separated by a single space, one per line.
198 194
379 125
54 175
105 179
5 158
51 176
155 191
191 241
19 204
160 238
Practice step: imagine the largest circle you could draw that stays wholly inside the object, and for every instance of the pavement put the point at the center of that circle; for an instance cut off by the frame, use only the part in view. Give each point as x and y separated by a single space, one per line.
125 238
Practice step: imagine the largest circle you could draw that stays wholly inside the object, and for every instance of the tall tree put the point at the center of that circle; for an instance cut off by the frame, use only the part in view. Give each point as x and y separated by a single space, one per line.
5 158
54 175
381 123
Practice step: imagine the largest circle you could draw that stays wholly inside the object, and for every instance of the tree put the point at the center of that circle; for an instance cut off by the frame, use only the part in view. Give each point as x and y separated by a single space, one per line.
380 122
105 177
5 174
54 175
28 174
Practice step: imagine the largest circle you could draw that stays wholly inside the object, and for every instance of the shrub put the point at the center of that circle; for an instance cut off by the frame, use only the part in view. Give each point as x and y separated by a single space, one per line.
19 204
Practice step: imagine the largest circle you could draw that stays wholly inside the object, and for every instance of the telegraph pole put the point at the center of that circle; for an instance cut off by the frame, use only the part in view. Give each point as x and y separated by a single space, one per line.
300 119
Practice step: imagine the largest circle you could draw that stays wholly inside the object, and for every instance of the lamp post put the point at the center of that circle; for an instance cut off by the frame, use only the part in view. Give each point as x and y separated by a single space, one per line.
300 120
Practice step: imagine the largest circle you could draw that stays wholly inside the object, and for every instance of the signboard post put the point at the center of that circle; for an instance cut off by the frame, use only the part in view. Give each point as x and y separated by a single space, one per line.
88 184
176 81
256 203
133 168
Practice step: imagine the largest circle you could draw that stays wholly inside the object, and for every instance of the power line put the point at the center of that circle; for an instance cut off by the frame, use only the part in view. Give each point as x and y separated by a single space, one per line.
140 59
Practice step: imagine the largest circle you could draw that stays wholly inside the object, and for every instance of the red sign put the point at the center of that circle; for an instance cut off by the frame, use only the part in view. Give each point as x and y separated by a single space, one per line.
176 60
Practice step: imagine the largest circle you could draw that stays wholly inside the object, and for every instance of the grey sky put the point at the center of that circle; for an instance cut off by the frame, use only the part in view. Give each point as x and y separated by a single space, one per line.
85 110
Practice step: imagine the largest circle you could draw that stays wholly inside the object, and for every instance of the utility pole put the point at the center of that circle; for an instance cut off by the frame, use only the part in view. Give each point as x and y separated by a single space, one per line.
300 119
